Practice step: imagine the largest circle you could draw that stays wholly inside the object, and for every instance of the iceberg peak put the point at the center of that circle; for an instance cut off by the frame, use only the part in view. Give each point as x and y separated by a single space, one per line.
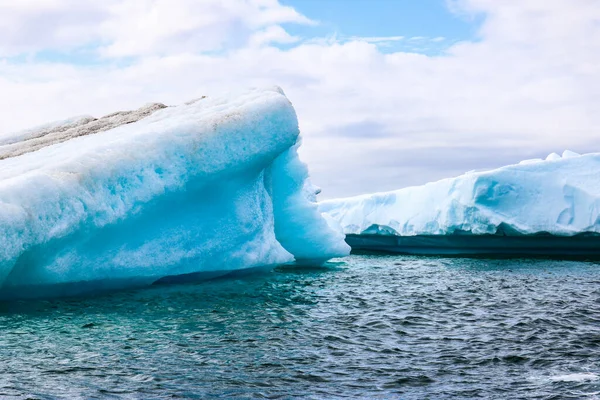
570 154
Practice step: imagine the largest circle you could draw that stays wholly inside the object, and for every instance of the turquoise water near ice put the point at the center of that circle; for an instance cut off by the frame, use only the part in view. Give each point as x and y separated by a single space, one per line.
362 327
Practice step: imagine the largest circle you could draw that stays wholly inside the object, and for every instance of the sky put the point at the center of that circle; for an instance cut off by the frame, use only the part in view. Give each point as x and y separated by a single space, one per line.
389 93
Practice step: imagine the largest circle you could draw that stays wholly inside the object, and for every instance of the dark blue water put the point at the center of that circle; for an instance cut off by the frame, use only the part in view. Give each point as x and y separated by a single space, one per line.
367 327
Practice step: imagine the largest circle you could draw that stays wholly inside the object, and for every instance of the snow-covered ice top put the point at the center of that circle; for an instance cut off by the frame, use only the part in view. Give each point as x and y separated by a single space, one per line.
215 184
558 195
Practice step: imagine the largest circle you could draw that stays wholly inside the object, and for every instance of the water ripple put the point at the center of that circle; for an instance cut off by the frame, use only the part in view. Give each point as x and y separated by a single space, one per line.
367 327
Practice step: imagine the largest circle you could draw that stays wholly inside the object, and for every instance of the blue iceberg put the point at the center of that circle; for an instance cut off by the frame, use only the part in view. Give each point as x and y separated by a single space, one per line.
214 185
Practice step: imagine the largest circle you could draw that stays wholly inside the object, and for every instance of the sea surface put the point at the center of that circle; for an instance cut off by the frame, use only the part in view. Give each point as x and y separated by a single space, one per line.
366 326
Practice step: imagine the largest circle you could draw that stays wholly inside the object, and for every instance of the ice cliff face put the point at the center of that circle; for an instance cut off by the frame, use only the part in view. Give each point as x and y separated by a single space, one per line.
215 184
559 195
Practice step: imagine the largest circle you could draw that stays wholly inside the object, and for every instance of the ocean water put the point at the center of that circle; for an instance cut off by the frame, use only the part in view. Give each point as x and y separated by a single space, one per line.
362 327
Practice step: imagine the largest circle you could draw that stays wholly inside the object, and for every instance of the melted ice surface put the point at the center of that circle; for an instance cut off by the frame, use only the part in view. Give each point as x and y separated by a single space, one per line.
215 184
559 195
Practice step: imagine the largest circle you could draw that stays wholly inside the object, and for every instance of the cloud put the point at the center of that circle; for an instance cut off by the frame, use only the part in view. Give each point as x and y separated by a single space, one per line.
377 39
151 27
28 26
126 28
271 35
371 120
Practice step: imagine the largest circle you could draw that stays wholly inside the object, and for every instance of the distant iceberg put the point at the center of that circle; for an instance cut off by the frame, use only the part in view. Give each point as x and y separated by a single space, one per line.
559 196
212 185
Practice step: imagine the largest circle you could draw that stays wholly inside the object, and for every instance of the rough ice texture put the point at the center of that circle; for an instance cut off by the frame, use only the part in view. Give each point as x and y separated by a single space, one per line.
215 184
559 195
35 139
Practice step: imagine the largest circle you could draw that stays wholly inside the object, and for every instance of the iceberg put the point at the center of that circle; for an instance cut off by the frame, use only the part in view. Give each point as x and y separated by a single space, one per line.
549 206
133 198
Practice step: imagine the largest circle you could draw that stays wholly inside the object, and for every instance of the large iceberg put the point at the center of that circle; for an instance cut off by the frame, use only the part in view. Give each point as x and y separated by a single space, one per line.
134 197
558 196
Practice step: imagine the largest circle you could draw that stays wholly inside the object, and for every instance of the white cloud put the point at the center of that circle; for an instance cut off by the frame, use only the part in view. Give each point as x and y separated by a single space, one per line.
31 25
273 34
150 27
137 27
527 86
377 39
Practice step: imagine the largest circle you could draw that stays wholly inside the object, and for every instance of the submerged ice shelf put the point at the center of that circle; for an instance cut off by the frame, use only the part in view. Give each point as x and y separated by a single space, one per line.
212 185
526 204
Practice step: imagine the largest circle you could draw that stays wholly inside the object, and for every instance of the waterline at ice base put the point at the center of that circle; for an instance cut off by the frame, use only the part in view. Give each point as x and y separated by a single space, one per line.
135 198
539 207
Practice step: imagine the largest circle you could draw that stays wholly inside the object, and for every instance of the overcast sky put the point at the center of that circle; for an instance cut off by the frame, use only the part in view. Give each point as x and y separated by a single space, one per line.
389 93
